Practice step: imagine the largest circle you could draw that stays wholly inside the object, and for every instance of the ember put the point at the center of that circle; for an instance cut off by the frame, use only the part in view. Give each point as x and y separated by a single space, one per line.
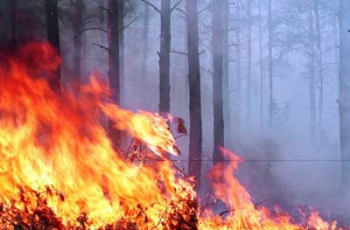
59 170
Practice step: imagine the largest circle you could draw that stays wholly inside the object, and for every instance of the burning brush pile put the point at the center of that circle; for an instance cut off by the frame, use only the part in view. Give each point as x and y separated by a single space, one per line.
58 169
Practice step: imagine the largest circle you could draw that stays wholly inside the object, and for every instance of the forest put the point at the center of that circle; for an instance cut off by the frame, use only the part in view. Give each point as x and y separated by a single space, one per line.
174 114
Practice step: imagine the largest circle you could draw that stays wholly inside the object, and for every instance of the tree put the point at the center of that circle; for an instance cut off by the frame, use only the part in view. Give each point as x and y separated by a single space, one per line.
8 25
319 62
261 68
121 31
145 31
164 52
53 36
13 23
344 88
164 58
226 72
249 60
270 45
114 64
77 26
194 79
312 87
217 47
238 81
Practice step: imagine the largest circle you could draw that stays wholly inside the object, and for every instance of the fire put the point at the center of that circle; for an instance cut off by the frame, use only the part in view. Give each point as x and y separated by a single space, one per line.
242 212
59 168
56 141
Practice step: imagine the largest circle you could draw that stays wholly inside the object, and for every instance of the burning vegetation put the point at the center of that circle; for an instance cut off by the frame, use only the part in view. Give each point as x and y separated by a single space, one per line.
59 170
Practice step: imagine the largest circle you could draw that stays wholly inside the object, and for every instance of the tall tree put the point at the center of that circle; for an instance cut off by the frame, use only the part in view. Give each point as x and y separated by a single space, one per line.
226 72
114 64
249 61
217 46
8 25
319 62
145 38
238 78
344 88
121 15
164 57
312 86
53 36
194 79
164 53
78 26
270 57
261 68
13 23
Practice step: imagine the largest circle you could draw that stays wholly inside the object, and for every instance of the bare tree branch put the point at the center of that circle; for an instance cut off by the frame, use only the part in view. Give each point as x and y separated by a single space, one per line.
178 52
132 8
93 28
202 52
181 11
184 53
129 24
151 5
204 9
132 21
104 8
176 5
101 46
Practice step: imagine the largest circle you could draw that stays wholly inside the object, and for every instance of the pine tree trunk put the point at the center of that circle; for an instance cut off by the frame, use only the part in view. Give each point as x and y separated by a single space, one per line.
312 87
121 52
319 63
261 68
144 69
13 23
249 63
114 65
238 83
270 45
8 25
78 25
53 38
217 46
194 79
344 89
336 45
164 58
226 72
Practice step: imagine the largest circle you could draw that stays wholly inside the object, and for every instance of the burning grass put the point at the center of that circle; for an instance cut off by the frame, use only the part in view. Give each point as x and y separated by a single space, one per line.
59 170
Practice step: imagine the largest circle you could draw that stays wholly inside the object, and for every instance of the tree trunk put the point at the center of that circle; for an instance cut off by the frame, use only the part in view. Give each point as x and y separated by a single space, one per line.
261 68
344 89
249 62
270 45
114 65
336 45
226 73
312 87
194 79
121 52
8 25
54 39
164 58
237 105
320 64
144 69
217 46
13 24
78 25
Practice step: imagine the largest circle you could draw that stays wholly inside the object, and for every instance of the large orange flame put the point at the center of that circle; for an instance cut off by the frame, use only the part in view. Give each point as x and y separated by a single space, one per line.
54 141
